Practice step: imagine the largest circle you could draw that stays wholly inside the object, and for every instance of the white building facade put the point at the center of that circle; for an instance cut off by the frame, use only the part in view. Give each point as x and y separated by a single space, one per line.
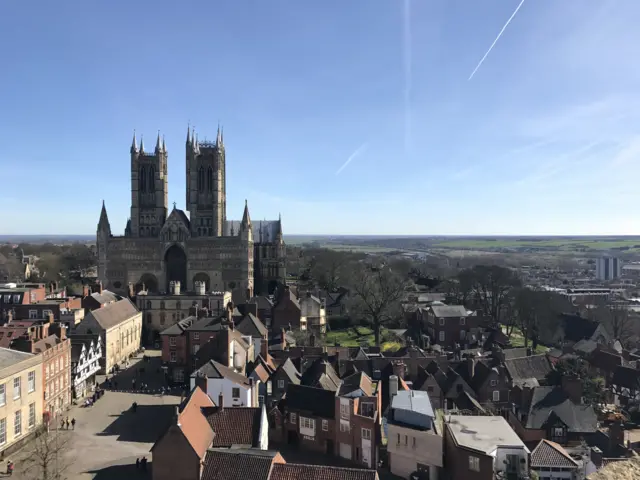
85 364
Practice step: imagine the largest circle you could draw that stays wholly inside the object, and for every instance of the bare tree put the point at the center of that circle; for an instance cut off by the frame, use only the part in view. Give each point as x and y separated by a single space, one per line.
491 287
376 292
48 459
616 319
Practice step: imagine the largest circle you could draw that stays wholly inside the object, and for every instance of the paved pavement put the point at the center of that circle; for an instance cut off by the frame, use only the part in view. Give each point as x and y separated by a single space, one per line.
108 436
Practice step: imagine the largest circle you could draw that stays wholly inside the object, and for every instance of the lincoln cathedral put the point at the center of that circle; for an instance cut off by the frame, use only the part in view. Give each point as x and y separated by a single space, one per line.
160 246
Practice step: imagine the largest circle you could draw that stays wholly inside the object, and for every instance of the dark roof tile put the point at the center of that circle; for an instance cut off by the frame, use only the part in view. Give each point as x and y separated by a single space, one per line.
550 454
294 471
234 425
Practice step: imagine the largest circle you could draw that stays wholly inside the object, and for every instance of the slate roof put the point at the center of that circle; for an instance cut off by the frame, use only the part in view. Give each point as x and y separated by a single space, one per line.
251 325
514 352
585 346
290 370
358 381
297 471
113 314
316 401
237 464
322 375
46 343
546 401
105 297
234 425
212 324
263 302
524 369
446 311
10 357
550 454
213 369
179 327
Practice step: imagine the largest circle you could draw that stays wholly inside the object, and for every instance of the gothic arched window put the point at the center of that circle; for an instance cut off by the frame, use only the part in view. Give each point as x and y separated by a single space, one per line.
152 179
201 179
210 179
142 179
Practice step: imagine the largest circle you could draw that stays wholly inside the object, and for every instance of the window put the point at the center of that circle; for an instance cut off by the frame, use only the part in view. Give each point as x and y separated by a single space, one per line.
406 440
280 383
344 426
292 417
46 313
413 443
441 336
172 357
366 434
195 348
235 392
367 409
558 432
178 375
430 389
494 383
196 335
474 463
178 305
149 304
162 305
16 299
461 320
496 395
3 431
172 341
269 389
16 388
344 408
17 424
3 395
325 425
33 314
162 319
32 415
309 423
398 439
31 381
442 321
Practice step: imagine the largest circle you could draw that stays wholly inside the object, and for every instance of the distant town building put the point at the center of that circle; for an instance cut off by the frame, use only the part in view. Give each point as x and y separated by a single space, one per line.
608 268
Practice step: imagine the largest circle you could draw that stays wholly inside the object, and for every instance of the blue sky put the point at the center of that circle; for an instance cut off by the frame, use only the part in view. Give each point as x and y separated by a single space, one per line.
544 139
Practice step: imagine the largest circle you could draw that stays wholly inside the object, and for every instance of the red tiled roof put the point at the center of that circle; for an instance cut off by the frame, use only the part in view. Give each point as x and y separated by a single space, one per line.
193 424
234 425
550 454
294 471
237 465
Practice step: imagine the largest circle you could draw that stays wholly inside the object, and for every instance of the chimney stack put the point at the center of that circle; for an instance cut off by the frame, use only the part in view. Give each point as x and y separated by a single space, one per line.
616 434
264 348
221 400
393 387
177 415
572 386
398 370
283 336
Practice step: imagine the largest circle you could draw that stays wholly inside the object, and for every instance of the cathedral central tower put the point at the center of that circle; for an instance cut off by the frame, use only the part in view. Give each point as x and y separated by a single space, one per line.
206 186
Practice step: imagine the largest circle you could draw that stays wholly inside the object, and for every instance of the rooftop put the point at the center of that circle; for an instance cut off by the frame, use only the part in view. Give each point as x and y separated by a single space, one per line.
10 357
483 434
413 400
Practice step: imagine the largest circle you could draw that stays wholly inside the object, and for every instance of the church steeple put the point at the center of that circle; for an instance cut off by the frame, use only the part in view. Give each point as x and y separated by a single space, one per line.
279 236
141 144
219 137
103 223
188 135
246 219
158 144
134 146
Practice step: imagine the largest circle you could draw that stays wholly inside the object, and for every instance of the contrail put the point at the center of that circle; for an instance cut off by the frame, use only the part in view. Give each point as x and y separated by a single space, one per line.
358 151
496 40
406 50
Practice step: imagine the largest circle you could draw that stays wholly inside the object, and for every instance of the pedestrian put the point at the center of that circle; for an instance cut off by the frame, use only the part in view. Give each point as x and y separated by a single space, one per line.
137 463
67 423
62 424
133 384
73 423
9 468
144 464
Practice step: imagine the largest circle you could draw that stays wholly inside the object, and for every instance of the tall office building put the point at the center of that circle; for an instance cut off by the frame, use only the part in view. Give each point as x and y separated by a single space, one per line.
608 268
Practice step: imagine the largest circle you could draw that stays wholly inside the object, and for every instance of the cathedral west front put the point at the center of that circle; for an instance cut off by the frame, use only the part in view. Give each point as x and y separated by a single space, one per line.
161 246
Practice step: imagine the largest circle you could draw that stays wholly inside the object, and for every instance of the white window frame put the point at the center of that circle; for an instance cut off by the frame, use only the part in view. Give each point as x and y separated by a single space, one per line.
280 384
45 313
17 388
178 375
474 463
3 394
3 431
292 418
441 321
306 422
17 423
366 433
172 357
441 336
325 425
172 341
496 395
345 426
196 335
462 320
32 415
31 381
234 391
33 314
494 383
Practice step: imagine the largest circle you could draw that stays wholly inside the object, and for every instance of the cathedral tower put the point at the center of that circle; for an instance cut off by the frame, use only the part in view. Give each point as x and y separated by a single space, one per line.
206 185
149 189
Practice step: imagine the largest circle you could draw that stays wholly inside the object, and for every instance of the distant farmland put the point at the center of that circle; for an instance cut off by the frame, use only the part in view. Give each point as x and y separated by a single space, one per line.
558 243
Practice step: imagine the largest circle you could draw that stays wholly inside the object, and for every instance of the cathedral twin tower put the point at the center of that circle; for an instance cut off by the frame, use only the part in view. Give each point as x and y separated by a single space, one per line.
206 196
161 246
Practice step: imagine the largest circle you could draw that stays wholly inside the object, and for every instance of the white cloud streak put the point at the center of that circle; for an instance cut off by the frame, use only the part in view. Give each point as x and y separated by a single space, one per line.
496 40
357 152
407 67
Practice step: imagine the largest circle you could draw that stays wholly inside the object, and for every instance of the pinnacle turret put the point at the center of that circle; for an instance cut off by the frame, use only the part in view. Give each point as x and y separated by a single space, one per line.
164 145
103 223
134 146
158 143
188 135
141 144
246 219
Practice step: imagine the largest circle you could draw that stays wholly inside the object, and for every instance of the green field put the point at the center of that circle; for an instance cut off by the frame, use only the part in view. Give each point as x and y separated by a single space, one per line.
362 336
592 243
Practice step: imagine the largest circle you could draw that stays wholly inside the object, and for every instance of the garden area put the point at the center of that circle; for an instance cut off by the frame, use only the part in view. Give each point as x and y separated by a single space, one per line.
363 336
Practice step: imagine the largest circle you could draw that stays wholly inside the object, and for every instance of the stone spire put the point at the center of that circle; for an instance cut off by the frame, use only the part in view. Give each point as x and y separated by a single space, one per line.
134 146
219 137
103 223
279 237
141 144
188 135
164 145
158 143
246 219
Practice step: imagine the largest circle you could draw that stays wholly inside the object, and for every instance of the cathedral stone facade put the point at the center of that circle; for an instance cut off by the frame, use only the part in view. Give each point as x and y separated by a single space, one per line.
160 246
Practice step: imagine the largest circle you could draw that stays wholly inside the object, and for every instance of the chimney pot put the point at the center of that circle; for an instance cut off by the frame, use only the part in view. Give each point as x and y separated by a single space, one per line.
221 400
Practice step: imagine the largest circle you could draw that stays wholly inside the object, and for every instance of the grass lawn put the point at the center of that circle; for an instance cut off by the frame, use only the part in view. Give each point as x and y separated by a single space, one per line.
517 340
361 336
593 243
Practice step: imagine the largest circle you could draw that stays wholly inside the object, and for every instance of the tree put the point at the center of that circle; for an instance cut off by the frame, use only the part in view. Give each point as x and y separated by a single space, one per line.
375 293
491 287
616 319
593 388
536 312
48 459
